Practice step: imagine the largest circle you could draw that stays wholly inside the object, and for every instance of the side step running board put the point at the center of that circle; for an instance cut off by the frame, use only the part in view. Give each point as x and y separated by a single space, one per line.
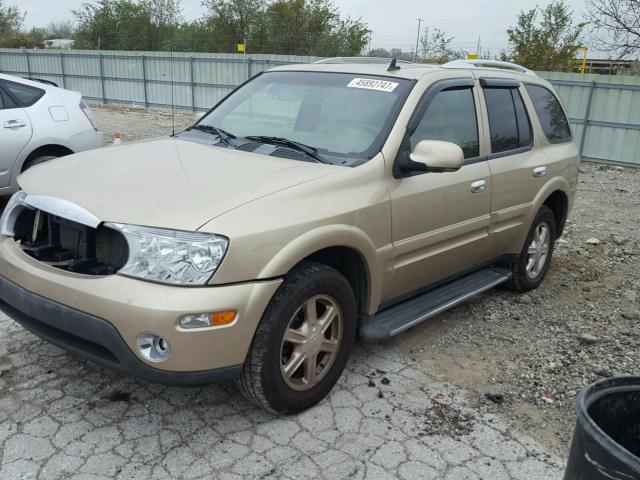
405 315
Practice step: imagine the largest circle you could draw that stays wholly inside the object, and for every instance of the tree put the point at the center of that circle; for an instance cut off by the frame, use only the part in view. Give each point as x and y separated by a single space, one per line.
435 46
11 19
615 25
127 24
293 27
545 39
232 20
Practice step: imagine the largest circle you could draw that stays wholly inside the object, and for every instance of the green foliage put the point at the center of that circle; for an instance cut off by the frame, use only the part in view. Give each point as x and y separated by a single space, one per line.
435 47
127 24
11 19
296 27
545 39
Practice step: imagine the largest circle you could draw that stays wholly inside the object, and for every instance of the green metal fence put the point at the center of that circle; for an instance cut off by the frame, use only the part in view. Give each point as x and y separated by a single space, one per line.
604 110
605 114
193 81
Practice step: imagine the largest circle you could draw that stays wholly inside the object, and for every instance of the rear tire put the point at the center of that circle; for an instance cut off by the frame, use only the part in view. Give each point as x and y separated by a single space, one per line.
311 320
531 266
32 162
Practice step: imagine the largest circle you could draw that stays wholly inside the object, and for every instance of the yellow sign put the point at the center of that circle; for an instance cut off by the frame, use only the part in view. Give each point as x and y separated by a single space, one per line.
472 56
240 47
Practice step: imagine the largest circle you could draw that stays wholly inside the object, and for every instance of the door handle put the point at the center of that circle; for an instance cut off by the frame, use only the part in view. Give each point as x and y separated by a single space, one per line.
15 124
539 171
478 186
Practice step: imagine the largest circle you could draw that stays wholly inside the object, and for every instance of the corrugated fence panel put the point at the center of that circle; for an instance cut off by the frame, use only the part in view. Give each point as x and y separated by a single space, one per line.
605 108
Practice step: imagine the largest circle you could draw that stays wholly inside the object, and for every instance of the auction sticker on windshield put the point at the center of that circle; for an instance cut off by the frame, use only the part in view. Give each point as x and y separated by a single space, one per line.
369 84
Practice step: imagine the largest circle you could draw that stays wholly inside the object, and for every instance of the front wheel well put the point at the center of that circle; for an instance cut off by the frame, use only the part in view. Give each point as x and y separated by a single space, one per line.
350 263
52 149
558 202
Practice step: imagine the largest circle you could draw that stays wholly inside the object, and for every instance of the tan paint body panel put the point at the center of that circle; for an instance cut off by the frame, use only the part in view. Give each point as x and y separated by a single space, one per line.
166 182
410 232
134 307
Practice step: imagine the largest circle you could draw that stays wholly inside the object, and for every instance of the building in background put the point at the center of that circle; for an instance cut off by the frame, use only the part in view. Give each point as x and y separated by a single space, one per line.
58 43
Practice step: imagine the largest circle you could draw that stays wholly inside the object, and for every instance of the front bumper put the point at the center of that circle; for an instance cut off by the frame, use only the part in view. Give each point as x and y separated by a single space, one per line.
100 318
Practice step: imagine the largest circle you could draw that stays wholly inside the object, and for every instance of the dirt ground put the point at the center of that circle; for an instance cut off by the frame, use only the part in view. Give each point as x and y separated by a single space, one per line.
531 353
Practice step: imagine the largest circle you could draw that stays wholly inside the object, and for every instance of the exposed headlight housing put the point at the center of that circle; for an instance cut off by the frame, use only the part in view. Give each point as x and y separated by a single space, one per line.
171 256
10 213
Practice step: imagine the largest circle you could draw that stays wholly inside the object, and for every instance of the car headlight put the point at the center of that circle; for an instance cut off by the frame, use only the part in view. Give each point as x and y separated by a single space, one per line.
171 256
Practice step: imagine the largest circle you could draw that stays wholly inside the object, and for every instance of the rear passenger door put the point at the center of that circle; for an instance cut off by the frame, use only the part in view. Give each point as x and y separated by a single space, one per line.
15 133
514 163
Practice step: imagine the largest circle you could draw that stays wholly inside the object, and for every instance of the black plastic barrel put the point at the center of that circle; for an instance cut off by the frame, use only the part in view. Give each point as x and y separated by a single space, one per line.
606 441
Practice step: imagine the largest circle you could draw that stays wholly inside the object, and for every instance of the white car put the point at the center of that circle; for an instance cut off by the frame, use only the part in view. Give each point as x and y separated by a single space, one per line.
39 122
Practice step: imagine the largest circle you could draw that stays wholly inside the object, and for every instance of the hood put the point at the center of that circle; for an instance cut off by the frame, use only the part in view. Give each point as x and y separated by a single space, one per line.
167 182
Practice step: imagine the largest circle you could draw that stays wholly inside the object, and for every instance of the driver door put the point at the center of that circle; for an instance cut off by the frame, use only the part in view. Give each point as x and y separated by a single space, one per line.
440 221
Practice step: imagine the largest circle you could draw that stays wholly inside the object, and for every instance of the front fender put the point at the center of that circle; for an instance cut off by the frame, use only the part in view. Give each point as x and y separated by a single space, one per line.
325 237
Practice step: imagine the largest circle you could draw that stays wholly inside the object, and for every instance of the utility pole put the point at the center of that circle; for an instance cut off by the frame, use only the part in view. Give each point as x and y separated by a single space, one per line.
369 32
420 20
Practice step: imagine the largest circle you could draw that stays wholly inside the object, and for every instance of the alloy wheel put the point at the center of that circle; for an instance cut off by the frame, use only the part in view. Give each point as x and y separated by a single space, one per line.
311 342
538 250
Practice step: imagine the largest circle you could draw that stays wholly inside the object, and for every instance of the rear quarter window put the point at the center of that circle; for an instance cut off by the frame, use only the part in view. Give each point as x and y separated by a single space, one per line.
553 121
24 95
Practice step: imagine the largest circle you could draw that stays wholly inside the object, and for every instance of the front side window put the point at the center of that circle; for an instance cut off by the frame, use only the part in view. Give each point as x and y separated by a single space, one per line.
509 124
552 118
24 95
345 117
451 116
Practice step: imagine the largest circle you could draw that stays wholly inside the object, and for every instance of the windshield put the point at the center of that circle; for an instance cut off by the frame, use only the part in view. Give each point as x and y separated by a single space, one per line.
344 116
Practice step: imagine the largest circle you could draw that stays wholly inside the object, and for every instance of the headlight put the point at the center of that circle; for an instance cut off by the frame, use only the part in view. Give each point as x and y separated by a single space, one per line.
171 256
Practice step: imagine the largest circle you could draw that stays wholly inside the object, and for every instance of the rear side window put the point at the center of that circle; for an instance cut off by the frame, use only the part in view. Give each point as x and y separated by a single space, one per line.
552 118
6 101
451 116
509 123
24 95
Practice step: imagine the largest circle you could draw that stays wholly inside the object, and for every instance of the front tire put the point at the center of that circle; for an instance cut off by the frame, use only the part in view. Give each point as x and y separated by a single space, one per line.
531 266
303 341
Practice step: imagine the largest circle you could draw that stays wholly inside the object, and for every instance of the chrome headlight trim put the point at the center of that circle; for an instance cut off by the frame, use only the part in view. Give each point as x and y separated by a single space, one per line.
173 257
53 205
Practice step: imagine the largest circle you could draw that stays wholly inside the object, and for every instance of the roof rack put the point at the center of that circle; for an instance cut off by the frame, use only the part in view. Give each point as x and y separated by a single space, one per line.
372 60
480 63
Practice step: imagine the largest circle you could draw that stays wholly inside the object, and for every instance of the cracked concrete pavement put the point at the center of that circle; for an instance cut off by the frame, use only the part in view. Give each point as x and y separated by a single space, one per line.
61 417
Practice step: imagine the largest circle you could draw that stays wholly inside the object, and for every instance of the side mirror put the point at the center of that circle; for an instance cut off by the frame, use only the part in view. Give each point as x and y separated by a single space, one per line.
198 115
437 156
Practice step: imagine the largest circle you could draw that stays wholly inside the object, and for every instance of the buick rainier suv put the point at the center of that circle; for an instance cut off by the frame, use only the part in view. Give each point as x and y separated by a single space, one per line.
312 206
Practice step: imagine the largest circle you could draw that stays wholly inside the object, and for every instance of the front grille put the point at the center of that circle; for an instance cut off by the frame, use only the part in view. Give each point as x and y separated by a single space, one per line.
69 245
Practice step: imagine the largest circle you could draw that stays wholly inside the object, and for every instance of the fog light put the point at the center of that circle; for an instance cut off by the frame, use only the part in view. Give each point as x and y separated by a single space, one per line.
153 347
200 320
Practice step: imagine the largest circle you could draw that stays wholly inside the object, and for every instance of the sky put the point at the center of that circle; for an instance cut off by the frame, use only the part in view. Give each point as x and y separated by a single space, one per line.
393 22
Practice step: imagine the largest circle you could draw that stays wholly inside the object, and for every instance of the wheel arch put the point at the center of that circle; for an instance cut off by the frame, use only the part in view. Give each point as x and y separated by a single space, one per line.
343 247
558 202
48 149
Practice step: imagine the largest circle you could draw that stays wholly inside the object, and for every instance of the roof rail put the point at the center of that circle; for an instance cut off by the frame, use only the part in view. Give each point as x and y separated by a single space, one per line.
480 63
373 60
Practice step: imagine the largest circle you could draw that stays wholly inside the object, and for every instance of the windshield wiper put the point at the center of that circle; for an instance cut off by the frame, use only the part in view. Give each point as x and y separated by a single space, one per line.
308 150
222 134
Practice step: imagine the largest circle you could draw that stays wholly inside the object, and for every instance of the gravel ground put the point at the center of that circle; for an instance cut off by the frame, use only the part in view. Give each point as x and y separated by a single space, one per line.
485 390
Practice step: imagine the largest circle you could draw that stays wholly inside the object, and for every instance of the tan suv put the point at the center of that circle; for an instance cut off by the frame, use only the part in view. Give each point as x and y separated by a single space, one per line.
313 204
